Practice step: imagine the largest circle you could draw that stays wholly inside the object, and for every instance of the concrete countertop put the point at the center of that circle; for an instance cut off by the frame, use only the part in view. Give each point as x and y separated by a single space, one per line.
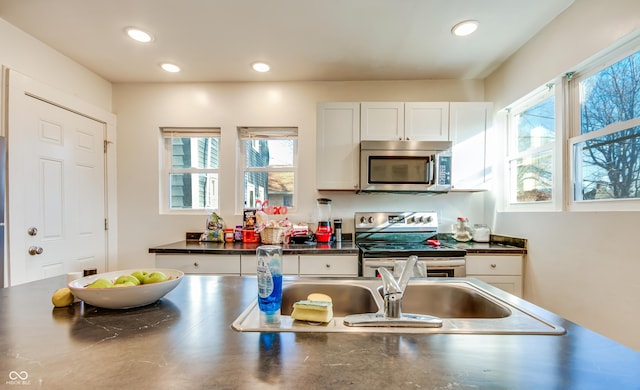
184 341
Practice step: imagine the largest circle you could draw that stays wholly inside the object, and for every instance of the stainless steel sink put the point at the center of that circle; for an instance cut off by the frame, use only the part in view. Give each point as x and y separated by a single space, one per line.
450 301
347 298
464 305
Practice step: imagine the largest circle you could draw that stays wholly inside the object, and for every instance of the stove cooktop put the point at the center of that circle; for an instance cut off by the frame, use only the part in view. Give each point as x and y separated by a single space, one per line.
405 249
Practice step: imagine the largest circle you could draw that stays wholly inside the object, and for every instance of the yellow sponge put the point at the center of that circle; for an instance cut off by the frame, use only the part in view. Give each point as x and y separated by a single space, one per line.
317 308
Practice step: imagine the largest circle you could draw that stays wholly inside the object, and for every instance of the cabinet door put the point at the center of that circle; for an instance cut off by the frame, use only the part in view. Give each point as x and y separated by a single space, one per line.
319 265
381 121
201 264
428 121
338 146
248 264
501 271
510 284
468 126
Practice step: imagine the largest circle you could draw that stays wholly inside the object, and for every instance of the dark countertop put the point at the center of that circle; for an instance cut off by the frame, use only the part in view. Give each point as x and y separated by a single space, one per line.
231 248
498 245
185 341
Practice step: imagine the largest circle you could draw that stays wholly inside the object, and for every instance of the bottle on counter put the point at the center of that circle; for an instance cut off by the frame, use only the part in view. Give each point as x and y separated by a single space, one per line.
337 229
269 275
229 235
462 231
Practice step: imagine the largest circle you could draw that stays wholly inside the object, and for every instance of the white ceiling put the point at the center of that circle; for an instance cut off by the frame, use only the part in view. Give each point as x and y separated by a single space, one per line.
217 40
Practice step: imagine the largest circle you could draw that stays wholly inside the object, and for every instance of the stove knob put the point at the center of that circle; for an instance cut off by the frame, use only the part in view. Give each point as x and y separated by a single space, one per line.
429 219
420 219
363 220
411 220
370 220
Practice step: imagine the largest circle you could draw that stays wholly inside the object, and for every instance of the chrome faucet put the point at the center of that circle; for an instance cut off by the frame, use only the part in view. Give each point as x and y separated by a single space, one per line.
393 291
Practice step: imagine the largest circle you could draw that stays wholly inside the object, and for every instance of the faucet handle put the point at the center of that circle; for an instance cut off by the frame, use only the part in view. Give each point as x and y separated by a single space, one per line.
407 272
389 284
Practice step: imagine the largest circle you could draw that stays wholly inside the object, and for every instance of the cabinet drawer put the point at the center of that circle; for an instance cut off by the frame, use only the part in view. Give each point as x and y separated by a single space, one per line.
494 265
248 264
329 265
201 264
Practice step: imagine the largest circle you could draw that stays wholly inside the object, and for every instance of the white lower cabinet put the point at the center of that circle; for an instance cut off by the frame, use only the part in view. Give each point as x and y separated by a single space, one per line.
248 264
200 264
501 271
306 265
333 265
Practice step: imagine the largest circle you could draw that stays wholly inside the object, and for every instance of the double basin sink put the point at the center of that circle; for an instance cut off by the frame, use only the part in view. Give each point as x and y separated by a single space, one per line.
463 305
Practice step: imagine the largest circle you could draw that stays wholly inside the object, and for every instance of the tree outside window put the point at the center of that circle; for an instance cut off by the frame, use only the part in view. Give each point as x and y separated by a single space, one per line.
607 152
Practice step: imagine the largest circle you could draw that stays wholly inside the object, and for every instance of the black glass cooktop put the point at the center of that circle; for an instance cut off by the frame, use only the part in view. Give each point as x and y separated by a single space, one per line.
395 249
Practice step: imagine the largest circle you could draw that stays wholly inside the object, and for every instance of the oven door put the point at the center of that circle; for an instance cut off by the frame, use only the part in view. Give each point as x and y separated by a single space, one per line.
436 267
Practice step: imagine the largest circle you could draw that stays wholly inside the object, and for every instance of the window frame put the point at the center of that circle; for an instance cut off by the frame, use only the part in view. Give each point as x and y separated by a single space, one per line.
556 89
166 167
253 133
575 136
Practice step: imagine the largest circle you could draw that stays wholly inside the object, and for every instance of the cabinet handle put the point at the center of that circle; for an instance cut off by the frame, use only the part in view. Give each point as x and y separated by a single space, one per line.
408 139
328 265
195 264
493 266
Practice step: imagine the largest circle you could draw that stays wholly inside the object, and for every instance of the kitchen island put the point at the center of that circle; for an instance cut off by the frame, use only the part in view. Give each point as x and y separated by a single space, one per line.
184 341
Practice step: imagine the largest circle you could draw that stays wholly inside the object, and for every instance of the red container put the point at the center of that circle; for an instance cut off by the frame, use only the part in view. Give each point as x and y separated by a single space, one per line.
250 235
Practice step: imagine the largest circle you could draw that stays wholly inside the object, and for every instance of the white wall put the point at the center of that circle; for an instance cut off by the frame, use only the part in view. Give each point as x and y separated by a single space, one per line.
30 57
581 265
27 55
143 108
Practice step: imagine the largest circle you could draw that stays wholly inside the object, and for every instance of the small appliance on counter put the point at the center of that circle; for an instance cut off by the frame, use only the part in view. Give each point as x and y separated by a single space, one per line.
324 230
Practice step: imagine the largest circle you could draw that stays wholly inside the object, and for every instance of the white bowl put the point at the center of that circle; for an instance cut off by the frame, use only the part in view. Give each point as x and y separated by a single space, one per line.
124 297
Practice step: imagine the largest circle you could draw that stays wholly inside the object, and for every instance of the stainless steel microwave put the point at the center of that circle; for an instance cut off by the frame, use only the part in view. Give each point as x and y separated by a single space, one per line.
405 166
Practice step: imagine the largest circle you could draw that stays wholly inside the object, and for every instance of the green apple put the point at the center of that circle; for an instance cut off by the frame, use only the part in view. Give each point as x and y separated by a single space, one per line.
127 278
101 283
126 284
155 277
140 275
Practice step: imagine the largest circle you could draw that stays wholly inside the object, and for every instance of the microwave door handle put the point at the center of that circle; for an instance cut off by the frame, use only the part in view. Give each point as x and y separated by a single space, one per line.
431 169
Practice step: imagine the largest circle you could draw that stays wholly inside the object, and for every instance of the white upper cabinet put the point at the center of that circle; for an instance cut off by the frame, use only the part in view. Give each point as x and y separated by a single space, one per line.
412 121
468 128
338 146
382 121
426 121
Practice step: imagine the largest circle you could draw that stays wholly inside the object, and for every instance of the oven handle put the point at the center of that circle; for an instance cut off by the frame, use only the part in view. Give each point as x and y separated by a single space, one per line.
457 262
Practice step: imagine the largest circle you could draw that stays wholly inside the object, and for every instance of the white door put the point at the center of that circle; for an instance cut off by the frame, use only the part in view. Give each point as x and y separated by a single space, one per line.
56 190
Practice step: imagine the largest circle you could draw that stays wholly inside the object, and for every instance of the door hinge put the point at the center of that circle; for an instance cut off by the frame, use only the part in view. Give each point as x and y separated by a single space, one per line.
106 143
106 224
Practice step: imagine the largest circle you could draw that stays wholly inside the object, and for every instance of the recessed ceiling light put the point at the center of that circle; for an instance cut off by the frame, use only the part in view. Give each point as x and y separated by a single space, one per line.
172 68
465 28
260 67
139 35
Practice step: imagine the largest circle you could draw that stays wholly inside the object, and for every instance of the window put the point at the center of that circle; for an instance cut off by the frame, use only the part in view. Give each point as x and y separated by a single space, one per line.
531 149
190 169
606 135
268 165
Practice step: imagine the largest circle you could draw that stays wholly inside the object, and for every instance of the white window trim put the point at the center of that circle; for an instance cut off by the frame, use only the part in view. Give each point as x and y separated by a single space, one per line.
241 167
557 187
589 68
165 169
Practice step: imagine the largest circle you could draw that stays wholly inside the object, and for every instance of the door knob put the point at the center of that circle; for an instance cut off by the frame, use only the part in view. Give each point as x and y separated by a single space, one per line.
35 250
